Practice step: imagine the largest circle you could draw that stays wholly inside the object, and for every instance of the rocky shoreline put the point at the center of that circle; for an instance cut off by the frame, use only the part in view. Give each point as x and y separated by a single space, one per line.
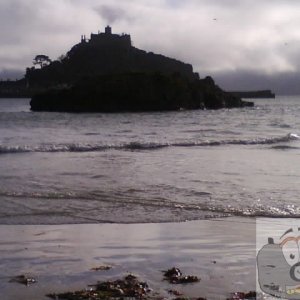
135 92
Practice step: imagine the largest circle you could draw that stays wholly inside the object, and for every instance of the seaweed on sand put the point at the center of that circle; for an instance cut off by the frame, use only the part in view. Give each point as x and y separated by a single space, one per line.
175 276
130 286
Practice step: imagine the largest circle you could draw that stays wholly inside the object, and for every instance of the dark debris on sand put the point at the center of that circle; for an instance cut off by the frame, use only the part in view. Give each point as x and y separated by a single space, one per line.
129 287
175 276
101 268
241 296
23 279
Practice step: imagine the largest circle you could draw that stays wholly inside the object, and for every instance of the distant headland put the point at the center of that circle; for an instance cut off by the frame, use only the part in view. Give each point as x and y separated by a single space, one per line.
254 94
105 73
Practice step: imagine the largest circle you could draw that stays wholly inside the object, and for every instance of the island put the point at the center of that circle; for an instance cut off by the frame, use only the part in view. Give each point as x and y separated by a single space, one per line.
105 73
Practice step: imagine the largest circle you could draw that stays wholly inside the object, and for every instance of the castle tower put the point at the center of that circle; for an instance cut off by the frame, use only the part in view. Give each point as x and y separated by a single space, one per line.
107 29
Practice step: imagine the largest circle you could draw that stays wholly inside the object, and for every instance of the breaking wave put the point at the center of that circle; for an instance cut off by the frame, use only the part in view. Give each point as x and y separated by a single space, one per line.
144 146
91 209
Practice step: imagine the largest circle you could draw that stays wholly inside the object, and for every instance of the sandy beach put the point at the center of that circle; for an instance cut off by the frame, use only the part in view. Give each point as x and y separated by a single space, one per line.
221 252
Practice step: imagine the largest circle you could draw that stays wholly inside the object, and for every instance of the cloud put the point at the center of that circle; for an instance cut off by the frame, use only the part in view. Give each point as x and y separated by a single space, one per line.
285 83
32 27
216 36
111 14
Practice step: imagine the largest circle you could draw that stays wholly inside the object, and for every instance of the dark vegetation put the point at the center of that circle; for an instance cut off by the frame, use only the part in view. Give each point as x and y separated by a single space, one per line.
42 60
14 89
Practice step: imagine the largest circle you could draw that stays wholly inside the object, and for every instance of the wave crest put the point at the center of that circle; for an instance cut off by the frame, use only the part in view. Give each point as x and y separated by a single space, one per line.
144 146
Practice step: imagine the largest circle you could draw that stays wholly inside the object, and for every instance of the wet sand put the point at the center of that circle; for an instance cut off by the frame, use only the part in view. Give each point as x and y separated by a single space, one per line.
221 252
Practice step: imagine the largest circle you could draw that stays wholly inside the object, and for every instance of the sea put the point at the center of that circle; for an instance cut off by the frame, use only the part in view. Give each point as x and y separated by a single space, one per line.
67 168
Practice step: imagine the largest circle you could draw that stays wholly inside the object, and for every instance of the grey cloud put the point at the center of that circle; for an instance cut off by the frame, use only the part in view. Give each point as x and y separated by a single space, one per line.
16 20
32 27
286 83
111 14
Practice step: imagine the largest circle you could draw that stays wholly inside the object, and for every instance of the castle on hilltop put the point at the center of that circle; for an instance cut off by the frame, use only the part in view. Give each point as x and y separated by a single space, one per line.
108 38
105 53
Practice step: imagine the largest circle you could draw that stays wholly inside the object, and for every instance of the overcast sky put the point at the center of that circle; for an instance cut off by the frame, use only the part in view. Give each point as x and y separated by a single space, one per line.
243 44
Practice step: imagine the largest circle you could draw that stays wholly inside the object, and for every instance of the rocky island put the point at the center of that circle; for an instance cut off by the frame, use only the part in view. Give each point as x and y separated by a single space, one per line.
105 73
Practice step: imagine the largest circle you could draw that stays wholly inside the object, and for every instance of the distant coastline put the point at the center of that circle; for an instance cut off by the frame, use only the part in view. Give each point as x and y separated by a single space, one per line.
254 94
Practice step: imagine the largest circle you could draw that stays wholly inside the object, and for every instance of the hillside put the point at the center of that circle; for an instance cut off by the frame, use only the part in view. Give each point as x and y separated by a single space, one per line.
104 53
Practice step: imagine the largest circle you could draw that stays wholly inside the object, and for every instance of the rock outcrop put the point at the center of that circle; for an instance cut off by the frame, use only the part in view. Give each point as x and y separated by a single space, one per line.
136 92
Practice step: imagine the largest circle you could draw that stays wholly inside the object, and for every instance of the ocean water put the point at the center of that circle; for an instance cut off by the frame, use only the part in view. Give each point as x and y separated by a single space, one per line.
62 168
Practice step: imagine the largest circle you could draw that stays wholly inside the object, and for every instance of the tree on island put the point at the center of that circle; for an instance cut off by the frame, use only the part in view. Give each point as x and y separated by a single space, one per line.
42 60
